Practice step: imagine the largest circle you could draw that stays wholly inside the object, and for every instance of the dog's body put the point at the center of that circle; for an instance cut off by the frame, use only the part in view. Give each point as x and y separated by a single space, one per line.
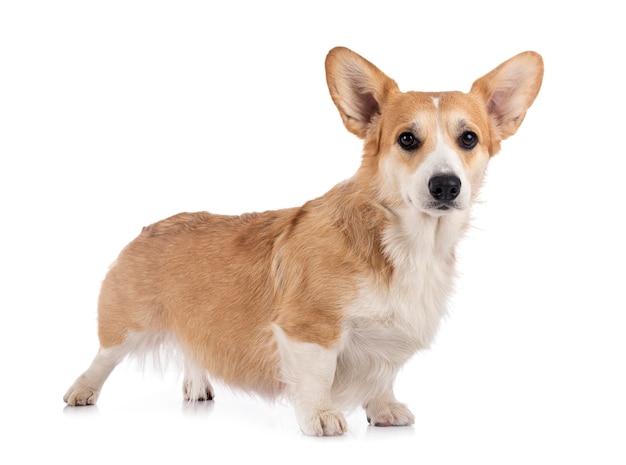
323 303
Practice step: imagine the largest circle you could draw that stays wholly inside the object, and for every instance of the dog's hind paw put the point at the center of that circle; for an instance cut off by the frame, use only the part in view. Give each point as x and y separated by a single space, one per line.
198 390
388 414
323 423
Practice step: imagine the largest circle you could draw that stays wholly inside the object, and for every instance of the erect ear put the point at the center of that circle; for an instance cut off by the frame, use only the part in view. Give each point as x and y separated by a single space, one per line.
509 90
357 87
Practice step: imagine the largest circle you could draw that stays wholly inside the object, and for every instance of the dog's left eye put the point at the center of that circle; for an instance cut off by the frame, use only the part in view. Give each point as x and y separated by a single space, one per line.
408 141
468 140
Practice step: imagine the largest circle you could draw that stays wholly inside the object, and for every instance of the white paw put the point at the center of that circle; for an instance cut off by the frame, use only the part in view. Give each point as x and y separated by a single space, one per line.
81 394
323 423
198 390
388 414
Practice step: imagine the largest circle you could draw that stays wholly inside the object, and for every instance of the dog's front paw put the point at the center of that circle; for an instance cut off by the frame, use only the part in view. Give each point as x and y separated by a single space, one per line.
388 414
80 394
323 423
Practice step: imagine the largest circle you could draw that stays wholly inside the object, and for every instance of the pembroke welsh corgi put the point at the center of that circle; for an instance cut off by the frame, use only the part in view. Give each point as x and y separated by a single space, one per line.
321 303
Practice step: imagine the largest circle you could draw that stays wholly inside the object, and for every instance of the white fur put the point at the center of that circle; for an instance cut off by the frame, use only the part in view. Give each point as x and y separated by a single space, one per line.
387 324
308 370
162 348
196 384
443 160
86 388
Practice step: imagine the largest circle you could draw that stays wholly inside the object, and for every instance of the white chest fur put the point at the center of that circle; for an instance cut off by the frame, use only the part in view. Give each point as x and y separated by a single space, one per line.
388 323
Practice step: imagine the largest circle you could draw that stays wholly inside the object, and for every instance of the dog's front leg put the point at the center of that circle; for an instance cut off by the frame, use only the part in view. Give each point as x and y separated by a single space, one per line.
385 410
308 369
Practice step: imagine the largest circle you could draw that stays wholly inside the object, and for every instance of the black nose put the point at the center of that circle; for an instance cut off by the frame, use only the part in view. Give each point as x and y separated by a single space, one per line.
444 187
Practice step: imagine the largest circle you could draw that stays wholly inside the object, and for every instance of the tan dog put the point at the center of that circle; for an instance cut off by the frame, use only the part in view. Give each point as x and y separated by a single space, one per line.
325 302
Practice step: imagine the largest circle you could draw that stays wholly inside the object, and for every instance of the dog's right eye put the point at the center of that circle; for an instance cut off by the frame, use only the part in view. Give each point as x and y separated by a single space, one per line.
408 141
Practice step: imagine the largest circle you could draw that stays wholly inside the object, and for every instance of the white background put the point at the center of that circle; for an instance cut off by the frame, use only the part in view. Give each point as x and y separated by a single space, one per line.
115 114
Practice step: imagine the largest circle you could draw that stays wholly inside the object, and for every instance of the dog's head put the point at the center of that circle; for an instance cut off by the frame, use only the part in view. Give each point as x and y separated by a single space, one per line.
429 150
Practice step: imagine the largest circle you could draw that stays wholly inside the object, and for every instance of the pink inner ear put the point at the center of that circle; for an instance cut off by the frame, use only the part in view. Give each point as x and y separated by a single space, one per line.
368 107
496 104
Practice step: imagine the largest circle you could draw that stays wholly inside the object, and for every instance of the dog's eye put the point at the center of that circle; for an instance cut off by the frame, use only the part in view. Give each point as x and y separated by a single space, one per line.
468 140
408 141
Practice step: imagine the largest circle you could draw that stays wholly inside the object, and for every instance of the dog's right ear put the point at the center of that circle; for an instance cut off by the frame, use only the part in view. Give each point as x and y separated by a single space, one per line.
357 87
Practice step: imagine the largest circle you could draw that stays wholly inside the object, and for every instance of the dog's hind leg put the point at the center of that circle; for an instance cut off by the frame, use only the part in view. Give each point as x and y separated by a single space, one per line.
86 388
196 385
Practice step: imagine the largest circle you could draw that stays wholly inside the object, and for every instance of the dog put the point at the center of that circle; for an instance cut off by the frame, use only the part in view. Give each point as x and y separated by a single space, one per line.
322 303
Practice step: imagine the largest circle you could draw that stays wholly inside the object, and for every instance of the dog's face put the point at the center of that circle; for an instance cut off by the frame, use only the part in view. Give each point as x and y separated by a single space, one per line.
429 151
433 151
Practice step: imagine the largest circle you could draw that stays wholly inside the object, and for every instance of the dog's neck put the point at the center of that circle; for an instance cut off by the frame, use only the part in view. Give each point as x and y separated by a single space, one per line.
413 237
387 236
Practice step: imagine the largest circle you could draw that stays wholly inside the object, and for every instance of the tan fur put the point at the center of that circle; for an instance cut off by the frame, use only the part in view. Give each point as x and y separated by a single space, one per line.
231 289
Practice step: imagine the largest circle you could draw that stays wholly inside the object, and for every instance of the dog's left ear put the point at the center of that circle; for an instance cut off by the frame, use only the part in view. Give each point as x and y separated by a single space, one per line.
357 87
509 90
